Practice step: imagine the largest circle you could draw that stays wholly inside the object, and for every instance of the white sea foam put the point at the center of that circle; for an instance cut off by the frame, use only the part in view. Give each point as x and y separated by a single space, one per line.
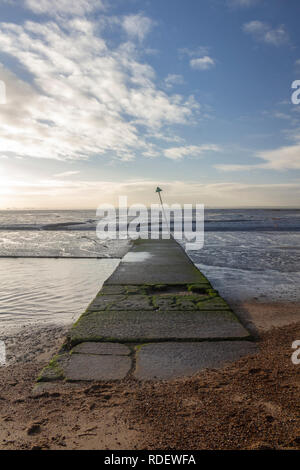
252 265
242 264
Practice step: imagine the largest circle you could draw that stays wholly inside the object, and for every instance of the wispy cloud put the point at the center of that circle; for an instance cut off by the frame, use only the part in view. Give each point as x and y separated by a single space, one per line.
174 79
202 63
85 98
61 7
243 3
177 153
200 57
283 158
193 52
66 174
55 193
137 26
263 32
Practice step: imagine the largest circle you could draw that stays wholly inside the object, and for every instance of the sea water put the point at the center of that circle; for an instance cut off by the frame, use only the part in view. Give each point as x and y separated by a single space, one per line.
247 254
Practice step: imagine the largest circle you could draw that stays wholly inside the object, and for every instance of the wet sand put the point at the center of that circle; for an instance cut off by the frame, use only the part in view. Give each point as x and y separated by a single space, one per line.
259 317
250 404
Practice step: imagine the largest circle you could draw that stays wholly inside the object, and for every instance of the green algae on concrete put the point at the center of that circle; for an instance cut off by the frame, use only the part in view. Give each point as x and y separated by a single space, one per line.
146 326
104 349
154 289
55 369
189 302
121 302
157 302
89 361
155 297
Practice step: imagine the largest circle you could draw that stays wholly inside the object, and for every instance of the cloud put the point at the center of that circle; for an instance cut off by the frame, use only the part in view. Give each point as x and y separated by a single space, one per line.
263 32
68 194
177 153
202 63
242 3
174 79
66 174
283 158
84 98
137 26
60 7
199 57
196 52
55 7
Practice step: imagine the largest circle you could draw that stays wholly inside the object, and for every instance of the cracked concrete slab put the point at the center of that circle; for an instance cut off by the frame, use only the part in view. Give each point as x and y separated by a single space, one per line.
121 302
105 349
189 302
183 301
165 361
156 296
96 367
137 326
166 263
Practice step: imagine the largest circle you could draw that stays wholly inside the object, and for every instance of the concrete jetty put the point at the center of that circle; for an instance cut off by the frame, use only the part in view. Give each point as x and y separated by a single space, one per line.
156 318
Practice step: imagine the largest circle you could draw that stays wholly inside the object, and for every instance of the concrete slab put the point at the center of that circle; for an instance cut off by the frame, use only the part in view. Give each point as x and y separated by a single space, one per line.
54 371
146 326
104 349
182 301
165 361
155 289
121 302
111 290
96 367
158 296
102 302
189 302
155 262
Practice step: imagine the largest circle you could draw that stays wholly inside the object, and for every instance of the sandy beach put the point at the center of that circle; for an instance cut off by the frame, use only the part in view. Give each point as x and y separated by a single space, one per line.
149 225
250 404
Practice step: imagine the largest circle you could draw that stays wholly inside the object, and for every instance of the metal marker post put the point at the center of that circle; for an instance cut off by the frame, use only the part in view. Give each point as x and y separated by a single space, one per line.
159 191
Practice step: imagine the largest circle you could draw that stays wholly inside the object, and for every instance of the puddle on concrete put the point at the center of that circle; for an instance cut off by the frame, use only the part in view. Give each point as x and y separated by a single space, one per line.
137 257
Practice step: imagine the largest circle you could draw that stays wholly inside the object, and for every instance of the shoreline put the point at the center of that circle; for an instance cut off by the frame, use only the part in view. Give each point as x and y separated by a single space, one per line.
253 405
250 403
262 316
33 341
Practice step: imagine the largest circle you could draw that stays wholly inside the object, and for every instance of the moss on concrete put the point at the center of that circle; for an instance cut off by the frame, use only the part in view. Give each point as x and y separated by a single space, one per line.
54 370
143 326
187 310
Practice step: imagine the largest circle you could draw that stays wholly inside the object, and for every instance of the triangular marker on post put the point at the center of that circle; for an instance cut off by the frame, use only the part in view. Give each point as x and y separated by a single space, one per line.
159 191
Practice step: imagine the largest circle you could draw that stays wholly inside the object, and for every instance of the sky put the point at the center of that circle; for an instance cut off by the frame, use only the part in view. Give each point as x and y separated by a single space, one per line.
110 98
